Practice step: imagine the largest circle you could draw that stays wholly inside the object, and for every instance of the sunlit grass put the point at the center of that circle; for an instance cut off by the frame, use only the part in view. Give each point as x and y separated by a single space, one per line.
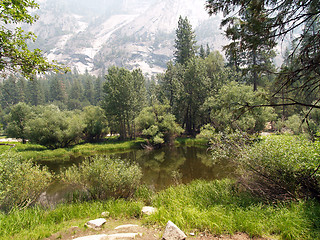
220 207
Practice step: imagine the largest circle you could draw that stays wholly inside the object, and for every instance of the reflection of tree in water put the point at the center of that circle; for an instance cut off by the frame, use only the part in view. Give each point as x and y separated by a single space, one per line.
221 168
169 166
158 166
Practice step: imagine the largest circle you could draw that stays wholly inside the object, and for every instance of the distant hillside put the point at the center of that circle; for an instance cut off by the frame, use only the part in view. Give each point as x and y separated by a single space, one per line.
93 35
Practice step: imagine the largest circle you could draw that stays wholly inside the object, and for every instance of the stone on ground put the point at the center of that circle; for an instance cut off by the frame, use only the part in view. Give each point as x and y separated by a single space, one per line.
126 226
96 224
172 232
121 236
92 237
148 210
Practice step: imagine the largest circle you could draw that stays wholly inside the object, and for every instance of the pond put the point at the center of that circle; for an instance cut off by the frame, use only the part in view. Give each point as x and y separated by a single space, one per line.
161 168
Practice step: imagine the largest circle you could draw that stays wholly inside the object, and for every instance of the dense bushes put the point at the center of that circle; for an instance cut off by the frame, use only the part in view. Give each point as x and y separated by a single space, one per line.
54 128
158 124
282 167
51 127
227 109
21 182
103 177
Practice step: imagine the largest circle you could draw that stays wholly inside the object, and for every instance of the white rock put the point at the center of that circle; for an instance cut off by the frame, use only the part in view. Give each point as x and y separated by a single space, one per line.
126 226
105 214
97 223
121 236
148 210
92 237
172 232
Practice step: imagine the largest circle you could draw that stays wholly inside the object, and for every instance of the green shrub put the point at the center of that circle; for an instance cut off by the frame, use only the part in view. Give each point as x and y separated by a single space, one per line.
158 124
227 109
16 121
21 183
282 167
54 128
95 123
206 132
103 177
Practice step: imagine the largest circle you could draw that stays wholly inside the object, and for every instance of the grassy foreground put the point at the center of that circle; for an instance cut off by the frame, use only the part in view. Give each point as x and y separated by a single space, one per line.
217 206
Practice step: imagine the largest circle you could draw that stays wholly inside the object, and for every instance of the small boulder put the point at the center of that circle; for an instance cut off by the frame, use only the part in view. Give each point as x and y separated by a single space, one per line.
148 210
96 224
172 232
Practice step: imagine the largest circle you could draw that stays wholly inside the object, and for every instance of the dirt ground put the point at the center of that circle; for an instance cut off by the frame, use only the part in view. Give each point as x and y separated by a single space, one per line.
148 232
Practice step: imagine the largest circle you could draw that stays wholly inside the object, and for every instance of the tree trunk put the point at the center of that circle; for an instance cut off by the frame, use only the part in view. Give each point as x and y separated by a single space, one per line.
255 74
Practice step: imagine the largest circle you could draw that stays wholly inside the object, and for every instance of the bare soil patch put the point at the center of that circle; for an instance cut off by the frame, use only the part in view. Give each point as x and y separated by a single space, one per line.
148 232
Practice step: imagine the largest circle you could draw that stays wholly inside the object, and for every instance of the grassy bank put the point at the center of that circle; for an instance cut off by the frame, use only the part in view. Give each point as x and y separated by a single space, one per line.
217 206
38 152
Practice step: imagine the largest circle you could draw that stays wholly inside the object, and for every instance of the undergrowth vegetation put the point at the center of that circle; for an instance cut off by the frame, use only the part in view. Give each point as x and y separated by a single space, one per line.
281 167
103 177
21 182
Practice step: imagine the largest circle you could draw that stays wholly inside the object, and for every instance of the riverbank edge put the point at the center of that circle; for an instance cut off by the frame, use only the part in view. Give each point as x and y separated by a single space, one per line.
38 152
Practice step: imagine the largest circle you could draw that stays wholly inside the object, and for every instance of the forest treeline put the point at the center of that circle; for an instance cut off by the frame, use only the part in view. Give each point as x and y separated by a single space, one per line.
199 90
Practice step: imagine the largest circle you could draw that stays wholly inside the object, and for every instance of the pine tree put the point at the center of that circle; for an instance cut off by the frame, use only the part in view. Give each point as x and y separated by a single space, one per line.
185 41
251 48
202 53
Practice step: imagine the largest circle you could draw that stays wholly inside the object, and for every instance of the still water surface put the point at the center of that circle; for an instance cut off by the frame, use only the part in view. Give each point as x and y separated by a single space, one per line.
161 168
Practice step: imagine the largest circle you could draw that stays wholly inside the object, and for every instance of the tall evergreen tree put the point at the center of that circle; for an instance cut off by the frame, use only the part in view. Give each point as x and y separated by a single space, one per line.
279 19
89 90
35 92
57 89
202 53
185 41
9 92
251 48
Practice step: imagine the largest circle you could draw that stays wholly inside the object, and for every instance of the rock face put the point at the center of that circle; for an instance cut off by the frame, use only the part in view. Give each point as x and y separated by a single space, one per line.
93 35
172 232
96 224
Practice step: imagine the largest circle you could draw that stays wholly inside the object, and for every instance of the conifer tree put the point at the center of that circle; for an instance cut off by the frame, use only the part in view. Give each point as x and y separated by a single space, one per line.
185 41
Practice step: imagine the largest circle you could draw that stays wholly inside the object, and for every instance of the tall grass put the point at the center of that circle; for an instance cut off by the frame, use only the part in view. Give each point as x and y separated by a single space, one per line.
220 207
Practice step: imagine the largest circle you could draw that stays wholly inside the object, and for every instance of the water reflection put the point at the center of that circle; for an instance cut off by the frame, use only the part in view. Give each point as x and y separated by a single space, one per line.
168 166
161 168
